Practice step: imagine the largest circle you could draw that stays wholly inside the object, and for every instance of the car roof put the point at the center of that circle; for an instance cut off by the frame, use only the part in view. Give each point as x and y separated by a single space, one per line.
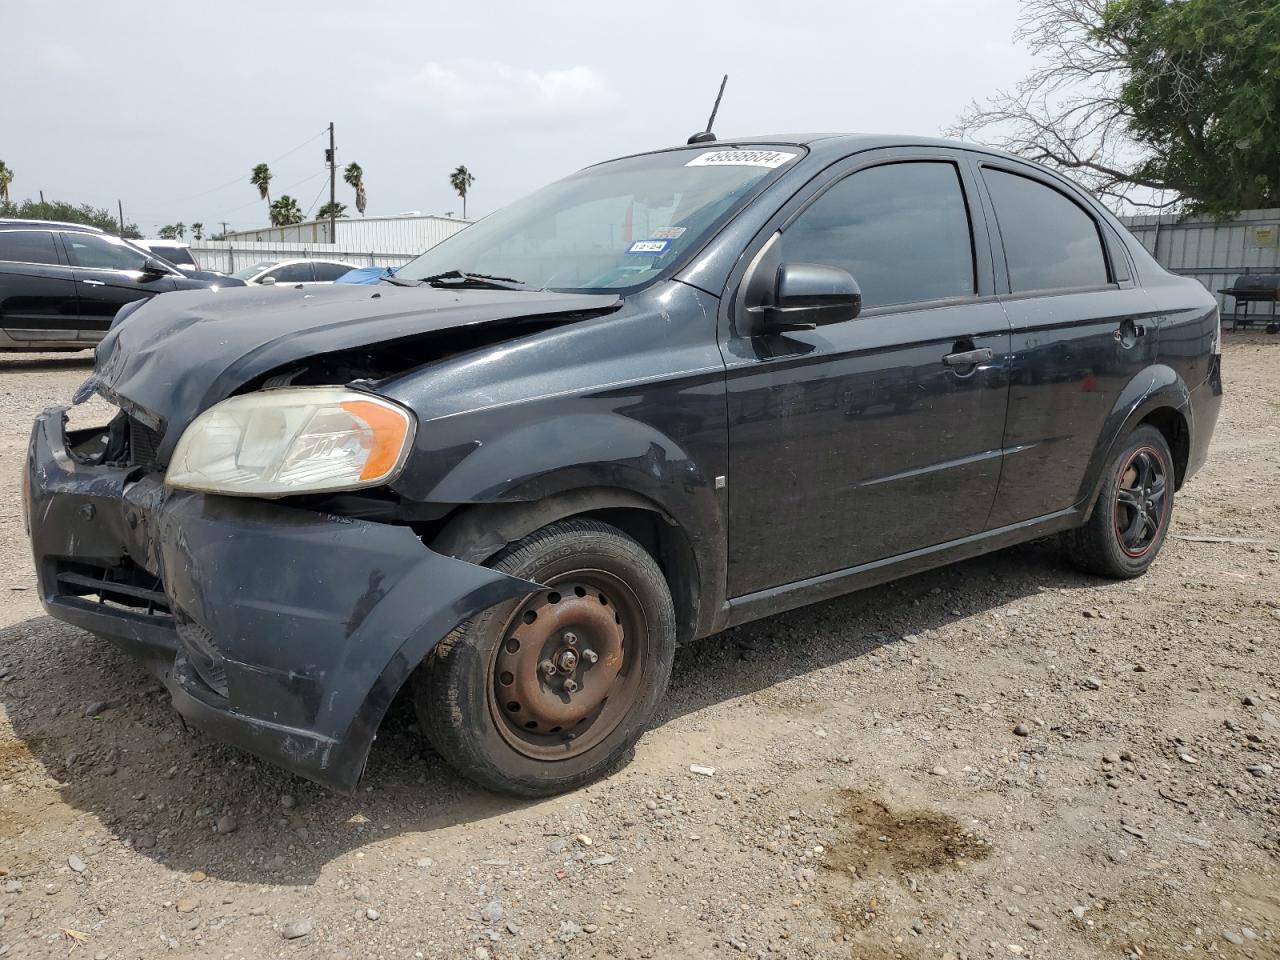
832 145
14 223
163 243
281 263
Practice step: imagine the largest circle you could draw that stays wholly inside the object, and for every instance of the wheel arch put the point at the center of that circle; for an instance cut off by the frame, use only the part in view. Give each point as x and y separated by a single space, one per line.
476 532
1156 396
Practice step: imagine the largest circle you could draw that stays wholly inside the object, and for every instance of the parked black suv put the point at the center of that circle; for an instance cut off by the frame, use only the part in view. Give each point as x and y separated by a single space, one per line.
670 394
61 283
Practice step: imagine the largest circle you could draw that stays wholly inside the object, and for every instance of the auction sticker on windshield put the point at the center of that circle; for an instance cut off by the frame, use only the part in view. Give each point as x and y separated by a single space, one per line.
741 158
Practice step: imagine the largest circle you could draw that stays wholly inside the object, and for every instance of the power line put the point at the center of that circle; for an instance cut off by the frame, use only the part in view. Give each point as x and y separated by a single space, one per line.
223 186
283 190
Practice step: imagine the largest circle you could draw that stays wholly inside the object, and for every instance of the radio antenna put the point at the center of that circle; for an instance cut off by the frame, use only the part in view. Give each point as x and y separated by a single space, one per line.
706 136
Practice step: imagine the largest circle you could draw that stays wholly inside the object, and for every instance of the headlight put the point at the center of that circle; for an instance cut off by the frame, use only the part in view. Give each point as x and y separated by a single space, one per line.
276 443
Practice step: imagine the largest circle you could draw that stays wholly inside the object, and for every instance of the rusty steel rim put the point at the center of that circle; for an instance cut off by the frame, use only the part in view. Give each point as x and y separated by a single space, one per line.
1141 501
569 665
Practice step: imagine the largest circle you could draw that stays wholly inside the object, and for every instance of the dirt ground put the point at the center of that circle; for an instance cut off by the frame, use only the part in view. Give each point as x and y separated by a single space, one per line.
871 798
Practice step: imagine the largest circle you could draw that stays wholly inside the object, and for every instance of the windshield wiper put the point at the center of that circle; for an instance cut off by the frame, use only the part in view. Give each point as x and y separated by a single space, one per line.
399 283
456 278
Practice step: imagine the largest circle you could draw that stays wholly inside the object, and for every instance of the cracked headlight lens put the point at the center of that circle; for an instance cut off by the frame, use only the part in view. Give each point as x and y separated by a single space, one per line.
278 443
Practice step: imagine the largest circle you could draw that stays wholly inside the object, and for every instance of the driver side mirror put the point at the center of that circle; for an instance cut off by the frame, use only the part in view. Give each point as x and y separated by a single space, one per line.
152 268
807 295
267 281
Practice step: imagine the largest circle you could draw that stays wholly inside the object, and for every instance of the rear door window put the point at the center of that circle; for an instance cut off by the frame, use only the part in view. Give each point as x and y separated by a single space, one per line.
292 273
28 246
331 271
901 230
1050 242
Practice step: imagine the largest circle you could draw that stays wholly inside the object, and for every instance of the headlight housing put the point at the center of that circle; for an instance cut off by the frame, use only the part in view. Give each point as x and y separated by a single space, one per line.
292 440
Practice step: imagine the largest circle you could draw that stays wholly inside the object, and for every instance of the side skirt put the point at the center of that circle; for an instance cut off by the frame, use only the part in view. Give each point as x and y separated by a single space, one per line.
765 603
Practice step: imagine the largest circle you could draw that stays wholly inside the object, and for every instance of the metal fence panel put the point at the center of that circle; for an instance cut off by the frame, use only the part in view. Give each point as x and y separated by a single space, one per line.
232 255
1214 252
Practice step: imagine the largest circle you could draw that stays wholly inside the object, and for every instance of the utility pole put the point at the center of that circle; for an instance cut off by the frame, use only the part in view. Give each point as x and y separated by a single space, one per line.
224 227
120 207
333 187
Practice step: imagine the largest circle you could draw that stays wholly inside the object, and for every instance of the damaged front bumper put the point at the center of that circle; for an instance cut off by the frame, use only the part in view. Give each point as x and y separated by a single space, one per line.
282 631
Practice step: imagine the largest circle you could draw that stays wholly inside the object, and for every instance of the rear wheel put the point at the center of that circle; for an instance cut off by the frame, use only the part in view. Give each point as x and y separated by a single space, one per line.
548 692
1131 518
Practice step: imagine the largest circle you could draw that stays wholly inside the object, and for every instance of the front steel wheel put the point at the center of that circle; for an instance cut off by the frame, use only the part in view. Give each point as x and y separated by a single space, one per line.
545 693
1131 517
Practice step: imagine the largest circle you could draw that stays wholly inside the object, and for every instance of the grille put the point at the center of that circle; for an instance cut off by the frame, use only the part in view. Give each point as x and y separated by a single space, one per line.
144 444
125 586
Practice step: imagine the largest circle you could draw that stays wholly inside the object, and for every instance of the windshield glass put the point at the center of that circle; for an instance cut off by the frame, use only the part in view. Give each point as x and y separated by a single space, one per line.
256 269
612 226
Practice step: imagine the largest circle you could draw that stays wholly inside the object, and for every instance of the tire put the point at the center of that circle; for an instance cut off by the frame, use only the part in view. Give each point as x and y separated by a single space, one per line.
1126 530
486 699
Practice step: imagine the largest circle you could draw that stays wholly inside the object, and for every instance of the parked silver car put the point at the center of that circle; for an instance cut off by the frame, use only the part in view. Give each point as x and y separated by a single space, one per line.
266 272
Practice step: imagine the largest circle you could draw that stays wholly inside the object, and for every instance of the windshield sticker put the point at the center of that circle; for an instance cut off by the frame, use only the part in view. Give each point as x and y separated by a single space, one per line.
741 158
649 246
670 233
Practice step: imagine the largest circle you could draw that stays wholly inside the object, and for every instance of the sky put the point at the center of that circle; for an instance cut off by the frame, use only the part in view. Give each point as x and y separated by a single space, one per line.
167 107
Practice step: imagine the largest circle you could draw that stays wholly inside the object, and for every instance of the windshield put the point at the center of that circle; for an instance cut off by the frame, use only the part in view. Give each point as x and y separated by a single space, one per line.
613 226
256 269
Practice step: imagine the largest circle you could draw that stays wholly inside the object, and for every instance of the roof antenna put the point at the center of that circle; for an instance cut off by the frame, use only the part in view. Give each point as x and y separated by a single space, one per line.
706 136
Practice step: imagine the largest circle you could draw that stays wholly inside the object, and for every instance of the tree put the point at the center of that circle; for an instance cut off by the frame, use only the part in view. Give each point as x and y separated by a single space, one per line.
261 178
339 210
197 230
354 176
461 181
285 211
168 232
69 213
1154 103
180 229
6 178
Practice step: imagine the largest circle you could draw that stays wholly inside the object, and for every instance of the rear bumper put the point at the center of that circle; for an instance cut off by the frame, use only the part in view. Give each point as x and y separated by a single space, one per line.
283 631
1204 407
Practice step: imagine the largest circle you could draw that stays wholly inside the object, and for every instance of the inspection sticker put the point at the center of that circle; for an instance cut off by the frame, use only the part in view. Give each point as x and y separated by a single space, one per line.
648 246
741 158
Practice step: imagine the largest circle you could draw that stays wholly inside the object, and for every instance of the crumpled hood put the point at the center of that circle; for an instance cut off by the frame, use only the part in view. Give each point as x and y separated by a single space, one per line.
170 359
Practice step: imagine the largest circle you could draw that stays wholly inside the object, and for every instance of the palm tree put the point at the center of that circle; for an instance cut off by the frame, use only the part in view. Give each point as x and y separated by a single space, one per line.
197 230
6 178
461 181
355 177
168 232
180 229
339 210
285 211
261 178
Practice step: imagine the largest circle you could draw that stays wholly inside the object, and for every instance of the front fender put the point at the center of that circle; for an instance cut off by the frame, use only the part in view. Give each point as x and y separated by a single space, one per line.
1155 387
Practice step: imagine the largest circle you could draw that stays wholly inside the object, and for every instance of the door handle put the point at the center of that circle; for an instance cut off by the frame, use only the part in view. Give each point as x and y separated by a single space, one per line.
1129 333
93 283
968 358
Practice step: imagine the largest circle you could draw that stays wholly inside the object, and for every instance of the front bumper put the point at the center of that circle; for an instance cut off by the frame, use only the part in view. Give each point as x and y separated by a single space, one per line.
282 631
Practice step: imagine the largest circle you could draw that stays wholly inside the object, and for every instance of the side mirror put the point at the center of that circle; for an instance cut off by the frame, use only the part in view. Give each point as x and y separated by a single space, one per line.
807 295
152 268
267 281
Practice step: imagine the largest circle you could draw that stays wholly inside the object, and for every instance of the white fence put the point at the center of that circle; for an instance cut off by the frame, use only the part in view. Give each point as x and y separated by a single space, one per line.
230 256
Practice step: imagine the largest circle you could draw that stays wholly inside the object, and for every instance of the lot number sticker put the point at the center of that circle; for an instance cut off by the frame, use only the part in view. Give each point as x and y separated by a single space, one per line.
741 158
